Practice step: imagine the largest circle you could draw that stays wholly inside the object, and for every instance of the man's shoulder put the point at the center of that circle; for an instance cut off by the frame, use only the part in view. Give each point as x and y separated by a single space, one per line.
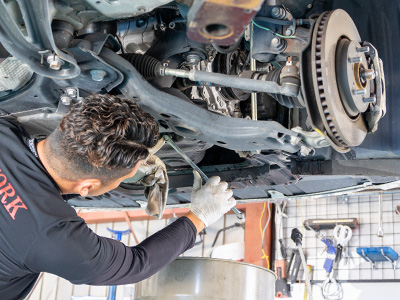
11 128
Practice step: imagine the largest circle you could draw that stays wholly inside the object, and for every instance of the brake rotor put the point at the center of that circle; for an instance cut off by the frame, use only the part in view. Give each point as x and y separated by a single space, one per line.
341 85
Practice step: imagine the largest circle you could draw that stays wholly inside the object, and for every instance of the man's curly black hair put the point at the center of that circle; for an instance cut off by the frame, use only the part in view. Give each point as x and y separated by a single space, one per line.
102 137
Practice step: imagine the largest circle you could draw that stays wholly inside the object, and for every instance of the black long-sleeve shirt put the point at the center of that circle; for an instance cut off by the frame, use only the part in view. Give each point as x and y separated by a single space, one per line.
40 232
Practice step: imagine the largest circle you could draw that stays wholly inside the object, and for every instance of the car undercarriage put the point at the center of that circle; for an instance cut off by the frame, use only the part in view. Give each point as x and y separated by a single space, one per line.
273 96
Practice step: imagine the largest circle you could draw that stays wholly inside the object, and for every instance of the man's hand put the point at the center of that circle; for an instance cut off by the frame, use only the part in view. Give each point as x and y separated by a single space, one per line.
211 201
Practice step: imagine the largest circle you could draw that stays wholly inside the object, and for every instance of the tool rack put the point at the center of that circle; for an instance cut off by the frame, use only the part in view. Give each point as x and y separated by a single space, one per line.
365 209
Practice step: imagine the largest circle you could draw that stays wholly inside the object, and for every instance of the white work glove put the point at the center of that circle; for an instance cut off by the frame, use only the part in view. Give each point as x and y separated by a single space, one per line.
211 201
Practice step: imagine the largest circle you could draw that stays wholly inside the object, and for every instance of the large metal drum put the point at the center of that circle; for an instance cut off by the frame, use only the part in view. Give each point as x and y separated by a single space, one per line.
193 278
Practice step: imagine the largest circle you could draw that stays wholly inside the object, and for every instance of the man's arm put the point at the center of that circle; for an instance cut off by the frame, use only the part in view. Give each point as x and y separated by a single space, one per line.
71 250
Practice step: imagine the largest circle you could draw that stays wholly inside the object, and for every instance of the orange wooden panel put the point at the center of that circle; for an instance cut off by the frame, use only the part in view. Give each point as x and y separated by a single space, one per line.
253 253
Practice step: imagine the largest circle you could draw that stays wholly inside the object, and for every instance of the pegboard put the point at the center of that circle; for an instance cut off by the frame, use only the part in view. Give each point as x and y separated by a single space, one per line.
365 208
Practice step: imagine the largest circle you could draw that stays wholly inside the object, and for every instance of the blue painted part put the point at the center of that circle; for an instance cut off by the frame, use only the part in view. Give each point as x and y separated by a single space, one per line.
112 292
328 265
331 254
118 233
375 254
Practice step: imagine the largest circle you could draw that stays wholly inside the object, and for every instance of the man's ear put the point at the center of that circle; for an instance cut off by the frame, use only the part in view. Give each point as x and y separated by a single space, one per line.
85 186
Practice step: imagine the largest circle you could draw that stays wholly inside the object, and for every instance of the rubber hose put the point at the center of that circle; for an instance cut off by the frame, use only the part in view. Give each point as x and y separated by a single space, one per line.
147 66
273 21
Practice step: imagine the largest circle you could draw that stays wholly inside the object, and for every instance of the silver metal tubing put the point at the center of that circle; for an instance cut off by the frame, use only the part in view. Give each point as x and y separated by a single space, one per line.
245 84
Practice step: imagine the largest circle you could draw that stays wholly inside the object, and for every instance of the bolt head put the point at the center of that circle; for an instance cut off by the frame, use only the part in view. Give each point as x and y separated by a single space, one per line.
66 100
71 92
55 65
275 41
288 32
98 75
54 62
309 6
275 10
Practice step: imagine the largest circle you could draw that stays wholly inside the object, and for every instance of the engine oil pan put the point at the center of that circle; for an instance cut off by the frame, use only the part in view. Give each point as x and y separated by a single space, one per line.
193 278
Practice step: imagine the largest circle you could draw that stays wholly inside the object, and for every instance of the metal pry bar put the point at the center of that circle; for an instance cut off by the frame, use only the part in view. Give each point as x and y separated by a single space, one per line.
168 139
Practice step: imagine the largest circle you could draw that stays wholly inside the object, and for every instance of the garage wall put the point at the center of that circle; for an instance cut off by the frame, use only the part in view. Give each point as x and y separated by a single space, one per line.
358 279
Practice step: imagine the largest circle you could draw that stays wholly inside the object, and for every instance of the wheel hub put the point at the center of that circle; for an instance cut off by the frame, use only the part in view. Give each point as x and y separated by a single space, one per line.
354 87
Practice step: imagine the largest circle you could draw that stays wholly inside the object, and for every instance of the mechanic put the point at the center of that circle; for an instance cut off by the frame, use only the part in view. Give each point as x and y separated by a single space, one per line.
100 142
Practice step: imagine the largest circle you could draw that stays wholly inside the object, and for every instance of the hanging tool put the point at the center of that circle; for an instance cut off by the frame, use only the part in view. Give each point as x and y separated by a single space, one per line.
342 235
330 254
380 228
168 139
117 234
330 249
294 266
297 238
282 289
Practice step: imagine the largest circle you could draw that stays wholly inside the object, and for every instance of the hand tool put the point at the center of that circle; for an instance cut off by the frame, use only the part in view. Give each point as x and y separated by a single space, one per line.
282 289
322 224
330 254
168 139
330 250
342 235
297 238
294 266
380 228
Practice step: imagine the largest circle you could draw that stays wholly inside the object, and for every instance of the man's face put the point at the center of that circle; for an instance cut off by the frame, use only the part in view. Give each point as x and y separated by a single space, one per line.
104 188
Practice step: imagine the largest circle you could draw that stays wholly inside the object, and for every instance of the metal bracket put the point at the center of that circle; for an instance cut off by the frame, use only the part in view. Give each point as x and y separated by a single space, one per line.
389 259
368 259
40 41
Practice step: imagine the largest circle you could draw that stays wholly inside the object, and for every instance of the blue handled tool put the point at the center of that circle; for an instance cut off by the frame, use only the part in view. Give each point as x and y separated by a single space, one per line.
112 291
330 254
